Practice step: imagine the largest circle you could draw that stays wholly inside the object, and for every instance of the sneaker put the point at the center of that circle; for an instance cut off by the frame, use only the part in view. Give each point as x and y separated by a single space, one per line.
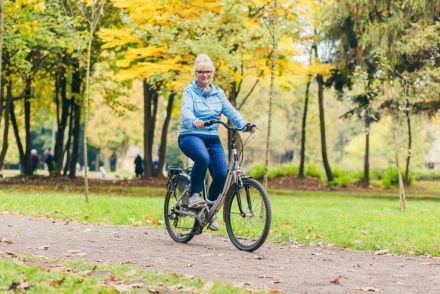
214 226
195 201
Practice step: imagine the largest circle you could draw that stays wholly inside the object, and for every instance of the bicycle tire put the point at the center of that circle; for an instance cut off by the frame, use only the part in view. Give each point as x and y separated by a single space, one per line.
174 234
230 204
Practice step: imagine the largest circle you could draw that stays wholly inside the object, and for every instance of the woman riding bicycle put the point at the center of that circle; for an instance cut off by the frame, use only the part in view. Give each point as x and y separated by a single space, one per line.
202 101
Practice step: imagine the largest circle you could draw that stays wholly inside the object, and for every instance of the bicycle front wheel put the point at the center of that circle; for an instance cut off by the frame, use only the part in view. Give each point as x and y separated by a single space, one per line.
247 214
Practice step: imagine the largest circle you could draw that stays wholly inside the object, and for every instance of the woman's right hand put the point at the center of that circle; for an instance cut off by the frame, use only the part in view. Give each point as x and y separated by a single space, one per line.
199 124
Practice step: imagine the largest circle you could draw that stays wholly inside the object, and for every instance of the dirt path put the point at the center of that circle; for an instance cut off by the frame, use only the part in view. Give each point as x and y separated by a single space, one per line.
292 269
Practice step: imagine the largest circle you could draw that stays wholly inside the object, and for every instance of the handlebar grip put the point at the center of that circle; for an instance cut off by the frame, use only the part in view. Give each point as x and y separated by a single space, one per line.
209 123
249 126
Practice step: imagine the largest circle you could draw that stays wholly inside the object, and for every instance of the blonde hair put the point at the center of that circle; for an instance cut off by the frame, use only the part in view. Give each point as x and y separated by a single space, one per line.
203 59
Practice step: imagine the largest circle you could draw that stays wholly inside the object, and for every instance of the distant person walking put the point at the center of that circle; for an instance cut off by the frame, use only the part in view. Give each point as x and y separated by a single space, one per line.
48 159
34 160
138 168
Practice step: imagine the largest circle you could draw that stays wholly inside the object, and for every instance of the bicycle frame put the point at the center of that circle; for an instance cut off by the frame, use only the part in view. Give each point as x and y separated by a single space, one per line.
234 176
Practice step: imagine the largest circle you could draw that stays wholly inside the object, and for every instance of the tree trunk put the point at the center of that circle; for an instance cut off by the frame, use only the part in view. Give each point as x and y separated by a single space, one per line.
366 178
76 139
61 121
17 136
1 50
271 92
303 132
327 168
150 100
27 126
86 116
163 140
409 151
402 195
304 119
76 109
66 149
6 128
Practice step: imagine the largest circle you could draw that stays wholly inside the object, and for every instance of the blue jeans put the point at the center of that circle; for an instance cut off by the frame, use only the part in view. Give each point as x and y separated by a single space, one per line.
207 152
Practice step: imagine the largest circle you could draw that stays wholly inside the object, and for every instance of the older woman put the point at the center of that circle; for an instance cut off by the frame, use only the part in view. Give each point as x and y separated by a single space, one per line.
204 101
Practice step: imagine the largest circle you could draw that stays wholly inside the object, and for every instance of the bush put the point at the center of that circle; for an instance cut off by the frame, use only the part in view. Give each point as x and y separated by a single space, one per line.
390 178
283 170
257 171
312 171
428 175
341 178
357 176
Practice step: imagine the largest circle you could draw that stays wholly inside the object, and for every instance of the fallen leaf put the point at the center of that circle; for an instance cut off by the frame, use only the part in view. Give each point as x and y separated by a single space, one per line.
130 273
24 285
137 285
381 252
11 254
336 280
367 289
54 283
112 278
121 288
265 277
61 269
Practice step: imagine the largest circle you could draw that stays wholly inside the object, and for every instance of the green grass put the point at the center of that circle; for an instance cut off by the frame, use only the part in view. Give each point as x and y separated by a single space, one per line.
365 222
41 275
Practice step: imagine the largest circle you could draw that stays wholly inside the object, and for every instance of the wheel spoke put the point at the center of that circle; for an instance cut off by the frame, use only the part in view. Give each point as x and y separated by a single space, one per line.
250 230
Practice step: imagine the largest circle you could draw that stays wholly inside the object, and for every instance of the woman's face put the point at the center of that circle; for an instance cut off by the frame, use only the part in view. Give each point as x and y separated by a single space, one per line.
204 75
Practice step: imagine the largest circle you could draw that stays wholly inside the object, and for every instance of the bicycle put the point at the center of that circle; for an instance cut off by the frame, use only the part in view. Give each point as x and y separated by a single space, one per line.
245 201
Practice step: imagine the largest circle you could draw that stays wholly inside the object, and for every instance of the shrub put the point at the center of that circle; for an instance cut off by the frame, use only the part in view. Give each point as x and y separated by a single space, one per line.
257 171
312 171
428 175
283 170
341 178
357 176
390 178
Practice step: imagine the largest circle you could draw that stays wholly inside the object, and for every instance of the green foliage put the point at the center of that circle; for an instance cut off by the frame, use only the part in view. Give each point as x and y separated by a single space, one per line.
287 169
390 178
313 171
341 178
257 171
433 175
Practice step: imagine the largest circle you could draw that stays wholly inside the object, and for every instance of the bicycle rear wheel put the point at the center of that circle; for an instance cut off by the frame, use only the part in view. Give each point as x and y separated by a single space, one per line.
181 228
247 228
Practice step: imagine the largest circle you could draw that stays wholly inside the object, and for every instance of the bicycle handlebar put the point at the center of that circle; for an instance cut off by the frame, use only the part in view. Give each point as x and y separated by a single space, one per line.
229 127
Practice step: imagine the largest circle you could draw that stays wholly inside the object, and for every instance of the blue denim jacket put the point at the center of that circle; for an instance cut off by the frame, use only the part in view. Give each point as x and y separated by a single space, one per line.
197 106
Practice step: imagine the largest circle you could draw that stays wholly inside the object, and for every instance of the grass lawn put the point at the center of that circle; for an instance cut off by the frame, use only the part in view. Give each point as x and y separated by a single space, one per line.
40 275
365 222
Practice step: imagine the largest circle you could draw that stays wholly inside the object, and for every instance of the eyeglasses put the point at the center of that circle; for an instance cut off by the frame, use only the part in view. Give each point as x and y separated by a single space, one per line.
206 72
